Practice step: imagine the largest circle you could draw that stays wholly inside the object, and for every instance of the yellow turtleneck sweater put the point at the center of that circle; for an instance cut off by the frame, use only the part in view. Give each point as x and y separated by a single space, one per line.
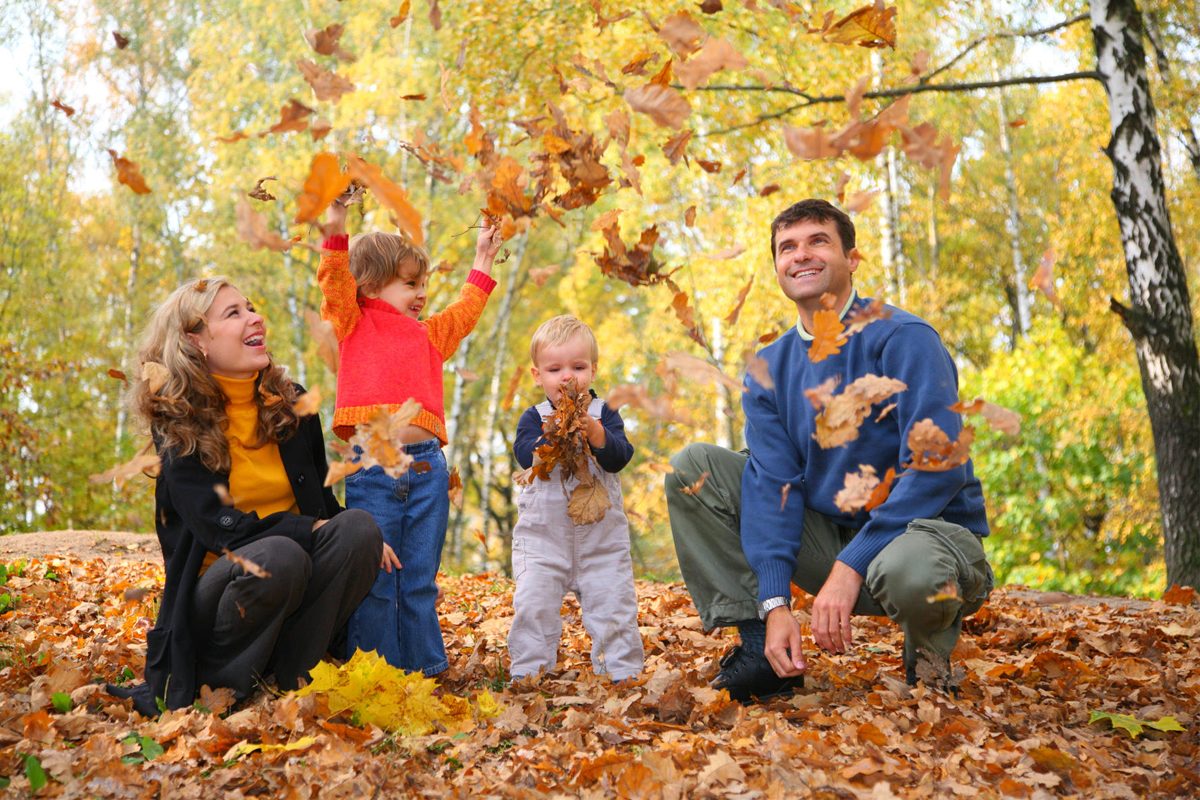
257 479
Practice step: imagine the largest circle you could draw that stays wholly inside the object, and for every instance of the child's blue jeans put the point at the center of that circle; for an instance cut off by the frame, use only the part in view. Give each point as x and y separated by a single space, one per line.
398 619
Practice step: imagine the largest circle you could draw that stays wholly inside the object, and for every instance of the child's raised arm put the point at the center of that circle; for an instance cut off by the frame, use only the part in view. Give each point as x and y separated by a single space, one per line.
339 292
487 244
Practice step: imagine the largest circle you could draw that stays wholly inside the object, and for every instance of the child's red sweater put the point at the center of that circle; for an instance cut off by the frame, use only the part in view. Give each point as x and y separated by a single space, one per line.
385 356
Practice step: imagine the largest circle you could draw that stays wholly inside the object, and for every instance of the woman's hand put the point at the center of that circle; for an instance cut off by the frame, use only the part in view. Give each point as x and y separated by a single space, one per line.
318 524
389 559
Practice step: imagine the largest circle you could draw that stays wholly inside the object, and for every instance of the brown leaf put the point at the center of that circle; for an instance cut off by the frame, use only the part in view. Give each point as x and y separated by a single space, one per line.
322 333
861 201
63 107
716 55
862 316
841 415
589 502
251 227
709 166
637 265
435 15
681 305
308 403
145 462
689 217
768 190
155 375
662 104
402 14
1043 278
119 375
1179 595
467 375
758 369
711 6
695 486
1017 123
637 396
607 219
539 275
511 391
129 174
292 117
732 317
932 450
602 21
237 136
259 192
869 26
675 148
389 194
324 183
121 39
378 438
248 566
999 417
681 33
809 143
699 370
326 85
325 42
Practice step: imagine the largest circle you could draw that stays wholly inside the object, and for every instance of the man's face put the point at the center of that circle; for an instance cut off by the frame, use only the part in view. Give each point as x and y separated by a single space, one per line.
809 261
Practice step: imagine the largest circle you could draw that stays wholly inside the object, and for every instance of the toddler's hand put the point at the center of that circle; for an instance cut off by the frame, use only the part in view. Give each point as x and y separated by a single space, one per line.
594 432
335 215
389 559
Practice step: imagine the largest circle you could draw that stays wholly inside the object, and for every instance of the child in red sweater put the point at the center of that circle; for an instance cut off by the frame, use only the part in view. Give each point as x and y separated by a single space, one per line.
374 291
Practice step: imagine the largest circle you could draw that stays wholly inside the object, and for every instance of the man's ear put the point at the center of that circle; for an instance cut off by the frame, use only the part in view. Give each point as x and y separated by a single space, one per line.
854 258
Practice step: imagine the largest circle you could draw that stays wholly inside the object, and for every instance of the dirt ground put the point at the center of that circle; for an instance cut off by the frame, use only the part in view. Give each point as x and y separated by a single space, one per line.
81 544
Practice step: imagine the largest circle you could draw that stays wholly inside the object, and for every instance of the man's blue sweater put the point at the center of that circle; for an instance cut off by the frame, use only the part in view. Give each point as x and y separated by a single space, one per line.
779 432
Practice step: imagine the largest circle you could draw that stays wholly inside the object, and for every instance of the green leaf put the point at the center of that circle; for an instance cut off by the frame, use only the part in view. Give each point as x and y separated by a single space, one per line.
1133 726
61 702
1166 724
4 779
35 773
150 748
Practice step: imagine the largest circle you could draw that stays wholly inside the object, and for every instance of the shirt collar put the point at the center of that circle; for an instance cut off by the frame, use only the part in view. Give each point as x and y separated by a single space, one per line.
808 337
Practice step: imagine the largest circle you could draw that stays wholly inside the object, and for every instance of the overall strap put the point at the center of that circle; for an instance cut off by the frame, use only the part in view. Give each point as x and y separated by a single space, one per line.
544 409
596 407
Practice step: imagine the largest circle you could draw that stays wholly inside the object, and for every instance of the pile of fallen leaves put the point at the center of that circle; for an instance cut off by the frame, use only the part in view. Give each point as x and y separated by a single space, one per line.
1038 669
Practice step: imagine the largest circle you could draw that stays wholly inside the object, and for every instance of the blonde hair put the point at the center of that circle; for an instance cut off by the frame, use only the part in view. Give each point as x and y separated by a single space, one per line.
560 330
378 258
187 413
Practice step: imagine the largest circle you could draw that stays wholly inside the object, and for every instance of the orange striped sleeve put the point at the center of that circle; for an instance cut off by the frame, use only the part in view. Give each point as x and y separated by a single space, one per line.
450 326
339 292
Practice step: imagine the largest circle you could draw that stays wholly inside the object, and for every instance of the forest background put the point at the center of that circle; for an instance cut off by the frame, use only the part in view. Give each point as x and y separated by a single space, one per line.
1005 238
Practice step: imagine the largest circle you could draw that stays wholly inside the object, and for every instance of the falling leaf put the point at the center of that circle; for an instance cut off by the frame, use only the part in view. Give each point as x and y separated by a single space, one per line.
694 487
539 275
681 33
324 183
1017 123
259 192
1000 418
338 470
155 375
401 15
662 104
870 26
435 15
1043 278
709 166
841 415
860 489
308 403
809 143
455 489
861 201
602 21
716 55
828 335
637 265
889 408
689 217
326 85
947 593
129 173
726 254
251 227
637 396
378 438
322 333
233 137
711 6
784 491
223 495
675 148
292 117
605 220
63 107
768 190
467 375
119 375
389 194
933 451
699 370
144 462
121 39
732 317
862 316
758 369
325 41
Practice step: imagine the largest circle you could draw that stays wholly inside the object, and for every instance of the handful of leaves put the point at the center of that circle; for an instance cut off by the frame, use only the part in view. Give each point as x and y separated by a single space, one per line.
566 446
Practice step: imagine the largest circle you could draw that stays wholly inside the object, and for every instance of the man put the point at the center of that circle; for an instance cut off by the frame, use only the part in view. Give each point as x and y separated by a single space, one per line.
768 519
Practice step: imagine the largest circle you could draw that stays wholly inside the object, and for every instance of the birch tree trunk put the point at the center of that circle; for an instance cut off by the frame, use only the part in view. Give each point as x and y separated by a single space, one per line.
1020 292
1159 314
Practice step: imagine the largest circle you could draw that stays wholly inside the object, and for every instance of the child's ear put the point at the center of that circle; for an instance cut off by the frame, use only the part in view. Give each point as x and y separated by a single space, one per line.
535 373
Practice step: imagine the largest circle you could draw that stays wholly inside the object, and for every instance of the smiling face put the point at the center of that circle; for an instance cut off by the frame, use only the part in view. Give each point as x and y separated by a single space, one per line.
810 261
406 292
558 362
234 337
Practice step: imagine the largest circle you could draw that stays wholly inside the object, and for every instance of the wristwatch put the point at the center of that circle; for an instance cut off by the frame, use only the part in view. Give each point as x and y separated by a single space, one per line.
770 604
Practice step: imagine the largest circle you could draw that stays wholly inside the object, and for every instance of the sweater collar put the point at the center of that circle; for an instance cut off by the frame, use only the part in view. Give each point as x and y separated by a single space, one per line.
238 390
808 337
375 304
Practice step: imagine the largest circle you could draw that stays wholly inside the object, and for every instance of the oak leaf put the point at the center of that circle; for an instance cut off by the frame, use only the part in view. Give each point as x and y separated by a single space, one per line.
933 451
862 316
999 417
829 334
326 42
870 26
129 173
378 438
841 415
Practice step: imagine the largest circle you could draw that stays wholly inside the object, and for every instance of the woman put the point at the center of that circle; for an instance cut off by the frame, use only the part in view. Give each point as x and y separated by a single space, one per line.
241 474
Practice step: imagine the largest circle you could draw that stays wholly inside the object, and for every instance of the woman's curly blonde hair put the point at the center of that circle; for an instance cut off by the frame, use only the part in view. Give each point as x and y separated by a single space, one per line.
187 414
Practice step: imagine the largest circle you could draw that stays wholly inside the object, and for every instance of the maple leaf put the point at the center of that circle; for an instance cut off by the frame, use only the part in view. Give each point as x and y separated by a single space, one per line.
63 107
251 227
308 403
1132 725
292 117
326 85
145 462
402 14
325 182
716 55
325 42
589 502
322 333
732 317
932 450
259 192
870 26
129 173
841 415
1043 278
828 335
390 194
999 417
662 104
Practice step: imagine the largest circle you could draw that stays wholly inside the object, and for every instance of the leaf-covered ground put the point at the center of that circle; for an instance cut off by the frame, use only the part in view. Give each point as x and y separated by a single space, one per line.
1036 668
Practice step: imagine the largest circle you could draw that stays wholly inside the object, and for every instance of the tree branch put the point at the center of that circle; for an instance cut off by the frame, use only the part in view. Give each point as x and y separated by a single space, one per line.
1005 35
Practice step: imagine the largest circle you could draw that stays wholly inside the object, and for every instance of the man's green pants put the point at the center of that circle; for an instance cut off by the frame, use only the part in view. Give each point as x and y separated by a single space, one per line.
900 583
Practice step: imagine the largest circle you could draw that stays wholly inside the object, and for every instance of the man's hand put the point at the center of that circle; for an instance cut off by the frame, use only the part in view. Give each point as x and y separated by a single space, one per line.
487 244
783 648
832 607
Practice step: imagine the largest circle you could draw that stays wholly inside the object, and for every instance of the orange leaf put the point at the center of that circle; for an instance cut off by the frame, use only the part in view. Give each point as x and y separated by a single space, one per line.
325 182
63 107
695 487
246 564
388 193
662 104
828 335
681 33
932 450
402 14
308 403
869 26
1043 278
716 55
292 117
675 148
326 85
809 143
732 317
129 174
